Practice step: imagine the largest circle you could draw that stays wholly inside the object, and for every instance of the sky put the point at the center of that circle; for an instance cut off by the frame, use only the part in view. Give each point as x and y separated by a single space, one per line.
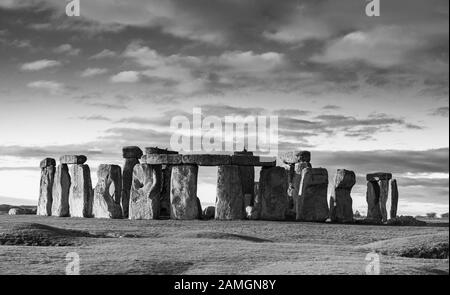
361 93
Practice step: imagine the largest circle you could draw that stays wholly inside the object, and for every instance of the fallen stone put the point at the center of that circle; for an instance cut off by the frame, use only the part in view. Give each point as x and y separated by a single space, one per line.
183 192
378 176
394 198
107 192
296 157
341 202
145 195
73 159
312 204
253 161
229 200
81 194
209 212
47 162
373 201
163 159
273 188
127 179
207 160
131 152
17 211
60 191
44 207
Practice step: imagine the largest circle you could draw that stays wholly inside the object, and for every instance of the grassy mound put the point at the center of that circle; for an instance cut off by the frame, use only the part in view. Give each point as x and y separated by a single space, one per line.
222 236
433 246
35 234
406 221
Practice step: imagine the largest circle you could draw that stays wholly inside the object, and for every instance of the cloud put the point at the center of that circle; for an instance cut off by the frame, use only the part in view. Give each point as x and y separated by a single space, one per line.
95 118
90 72
67 49
105 53
40 65
331 107
126 77
50 86
440 112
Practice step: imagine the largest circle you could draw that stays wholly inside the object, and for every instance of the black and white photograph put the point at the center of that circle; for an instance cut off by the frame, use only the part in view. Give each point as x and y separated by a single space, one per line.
200 139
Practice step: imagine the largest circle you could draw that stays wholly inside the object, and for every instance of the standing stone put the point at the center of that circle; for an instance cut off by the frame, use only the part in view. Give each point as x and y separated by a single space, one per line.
230 199
145 192
247 175
255 211
312 204
131 154
81 194
48 168
394 198
107 192
60 191
341 201
127 179
373 201
183 192
165 191
384 194
273 192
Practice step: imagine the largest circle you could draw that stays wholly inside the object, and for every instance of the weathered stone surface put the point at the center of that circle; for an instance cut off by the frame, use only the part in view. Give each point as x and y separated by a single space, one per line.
341 201
378 176
60 191
312 202
373 201
127 179
251 213
273 191
156 150
47 162
146 192
81 194
253 161
257 203
384 194
230 199
209 212
207 160
44 207
107 192
163 159
394 198
200 209
183 192
248 200
296 157
73 159
132 152
165 191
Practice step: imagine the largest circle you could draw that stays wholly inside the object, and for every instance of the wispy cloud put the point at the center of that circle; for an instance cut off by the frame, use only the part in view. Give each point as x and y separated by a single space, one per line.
40 65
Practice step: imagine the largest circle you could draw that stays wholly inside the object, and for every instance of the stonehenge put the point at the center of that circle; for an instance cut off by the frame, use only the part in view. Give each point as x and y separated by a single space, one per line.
341 201
162 184
48 168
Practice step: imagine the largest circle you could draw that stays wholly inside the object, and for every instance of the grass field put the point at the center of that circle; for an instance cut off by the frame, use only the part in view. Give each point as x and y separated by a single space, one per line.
39 245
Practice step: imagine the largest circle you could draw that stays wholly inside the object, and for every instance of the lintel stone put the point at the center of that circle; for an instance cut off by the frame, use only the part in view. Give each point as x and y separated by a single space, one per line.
73 159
